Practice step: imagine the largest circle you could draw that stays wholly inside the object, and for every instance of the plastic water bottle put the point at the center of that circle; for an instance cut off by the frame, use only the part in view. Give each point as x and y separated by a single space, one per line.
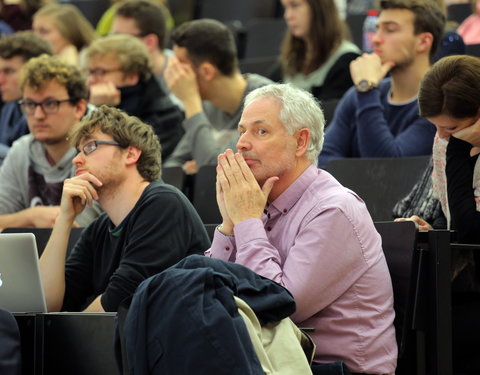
369 29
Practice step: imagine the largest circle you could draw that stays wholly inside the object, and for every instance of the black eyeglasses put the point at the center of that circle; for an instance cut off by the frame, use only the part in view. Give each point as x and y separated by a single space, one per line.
89 147
100 72
49 106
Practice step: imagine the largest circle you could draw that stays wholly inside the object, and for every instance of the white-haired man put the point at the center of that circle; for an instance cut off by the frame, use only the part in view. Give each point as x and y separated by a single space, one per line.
295 224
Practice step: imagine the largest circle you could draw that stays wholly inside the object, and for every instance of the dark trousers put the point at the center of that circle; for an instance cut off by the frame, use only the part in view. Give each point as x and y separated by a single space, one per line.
334 368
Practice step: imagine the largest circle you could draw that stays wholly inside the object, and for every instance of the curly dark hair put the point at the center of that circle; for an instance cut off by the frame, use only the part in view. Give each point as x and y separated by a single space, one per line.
39 71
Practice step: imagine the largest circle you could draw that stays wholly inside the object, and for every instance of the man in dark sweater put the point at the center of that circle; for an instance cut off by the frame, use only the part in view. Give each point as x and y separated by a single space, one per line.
148 225
379 116
120 75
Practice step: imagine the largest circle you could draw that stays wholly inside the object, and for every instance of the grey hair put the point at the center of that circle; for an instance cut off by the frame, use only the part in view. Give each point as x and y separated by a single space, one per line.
299 110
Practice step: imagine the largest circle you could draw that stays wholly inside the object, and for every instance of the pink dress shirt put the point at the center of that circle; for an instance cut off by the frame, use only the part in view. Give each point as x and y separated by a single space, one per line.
318 240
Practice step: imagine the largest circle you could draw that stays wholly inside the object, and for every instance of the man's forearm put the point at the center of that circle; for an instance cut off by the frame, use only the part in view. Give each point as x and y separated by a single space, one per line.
52 264
19 219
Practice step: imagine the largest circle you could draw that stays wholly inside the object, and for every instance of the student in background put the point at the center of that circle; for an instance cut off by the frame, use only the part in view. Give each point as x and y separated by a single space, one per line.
455 111
205 76
145 20
104 25
65 27
54 97
316 54
15 51
120 75
379 116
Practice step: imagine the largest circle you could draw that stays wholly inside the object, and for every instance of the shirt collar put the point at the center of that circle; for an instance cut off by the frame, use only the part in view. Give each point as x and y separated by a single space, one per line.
292 194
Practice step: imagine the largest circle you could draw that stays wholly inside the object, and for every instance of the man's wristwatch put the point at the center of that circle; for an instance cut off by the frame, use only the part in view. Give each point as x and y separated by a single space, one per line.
365 85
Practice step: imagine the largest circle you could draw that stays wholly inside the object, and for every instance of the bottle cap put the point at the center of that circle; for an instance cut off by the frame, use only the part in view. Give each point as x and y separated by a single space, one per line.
372 12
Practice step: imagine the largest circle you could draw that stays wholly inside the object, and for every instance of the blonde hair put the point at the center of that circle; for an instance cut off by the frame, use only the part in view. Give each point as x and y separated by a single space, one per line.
131 53
39 71
70 22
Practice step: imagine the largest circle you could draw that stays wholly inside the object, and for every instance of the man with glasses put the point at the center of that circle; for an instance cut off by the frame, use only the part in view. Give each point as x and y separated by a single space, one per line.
120 75
31 177
148 225
15 51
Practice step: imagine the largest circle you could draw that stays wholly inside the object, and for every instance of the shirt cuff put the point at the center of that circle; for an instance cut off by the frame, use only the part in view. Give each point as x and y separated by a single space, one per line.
223 247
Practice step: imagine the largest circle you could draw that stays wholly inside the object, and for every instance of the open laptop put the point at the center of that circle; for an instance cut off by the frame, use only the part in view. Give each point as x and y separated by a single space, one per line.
42 235
20 284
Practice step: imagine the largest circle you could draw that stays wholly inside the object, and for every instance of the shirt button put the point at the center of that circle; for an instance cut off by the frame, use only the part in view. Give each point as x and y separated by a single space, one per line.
227 248
269 228
284 210
268 215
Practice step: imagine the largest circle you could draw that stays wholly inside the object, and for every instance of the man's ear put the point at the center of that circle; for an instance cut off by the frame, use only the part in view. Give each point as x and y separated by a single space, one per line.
207 71
424 42
302 136
151 42
131 79
133 153
80 109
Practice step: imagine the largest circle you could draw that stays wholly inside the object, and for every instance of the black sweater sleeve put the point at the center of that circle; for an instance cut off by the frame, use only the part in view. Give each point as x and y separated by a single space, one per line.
465 218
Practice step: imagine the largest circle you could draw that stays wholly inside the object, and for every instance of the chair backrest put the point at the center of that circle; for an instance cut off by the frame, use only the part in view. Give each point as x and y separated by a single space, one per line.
263 37
174 176
91 9
229 10
379 182
472 50
182 10
42 235
328 107
204 195
458 12
355 25
399 243
258 65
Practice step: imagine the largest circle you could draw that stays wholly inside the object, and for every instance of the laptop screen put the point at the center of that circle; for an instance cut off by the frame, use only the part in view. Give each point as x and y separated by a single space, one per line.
20 284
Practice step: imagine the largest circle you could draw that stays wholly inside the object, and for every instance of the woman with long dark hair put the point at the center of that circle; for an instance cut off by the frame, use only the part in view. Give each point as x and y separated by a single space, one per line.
316 52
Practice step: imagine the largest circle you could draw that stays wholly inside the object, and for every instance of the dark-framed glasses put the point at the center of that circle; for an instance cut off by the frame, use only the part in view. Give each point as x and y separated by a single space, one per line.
49 106
91 146
100 72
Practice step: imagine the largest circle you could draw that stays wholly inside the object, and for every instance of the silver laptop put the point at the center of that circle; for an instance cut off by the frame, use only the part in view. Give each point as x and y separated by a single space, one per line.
20 284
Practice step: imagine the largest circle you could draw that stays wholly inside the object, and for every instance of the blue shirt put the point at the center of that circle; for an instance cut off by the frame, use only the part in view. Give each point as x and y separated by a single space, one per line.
13 123
367 125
